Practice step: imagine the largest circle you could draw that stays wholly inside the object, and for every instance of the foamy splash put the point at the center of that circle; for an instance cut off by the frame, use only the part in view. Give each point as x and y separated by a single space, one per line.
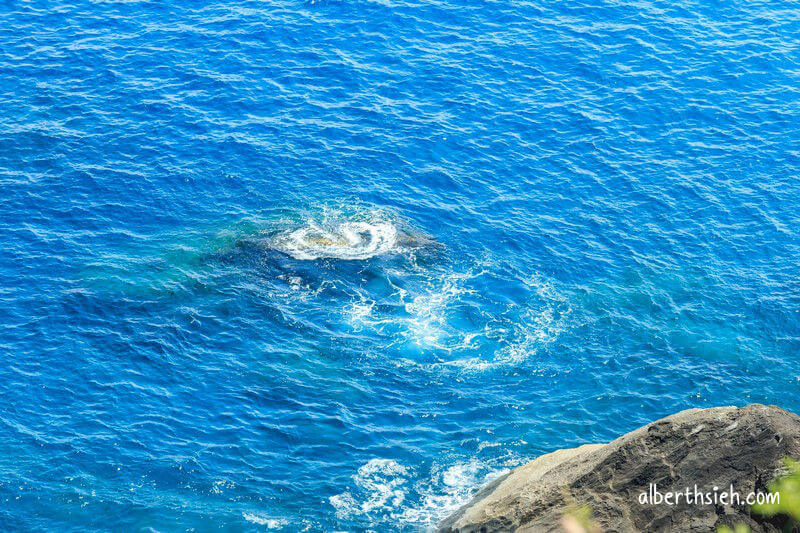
380 485
431 332
348 240
264 520
384 490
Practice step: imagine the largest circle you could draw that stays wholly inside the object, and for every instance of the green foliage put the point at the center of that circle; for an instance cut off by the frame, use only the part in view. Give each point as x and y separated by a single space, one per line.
740 528
788 487
581 513
578 519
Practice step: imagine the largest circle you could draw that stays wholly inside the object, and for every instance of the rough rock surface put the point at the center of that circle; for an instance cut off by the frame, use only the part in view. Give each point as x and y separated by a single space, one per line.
721 446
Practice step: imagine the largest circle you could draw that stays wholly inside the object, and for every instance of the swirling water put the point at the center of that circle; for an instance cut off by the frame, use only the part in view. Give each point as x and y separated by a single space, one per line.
331 265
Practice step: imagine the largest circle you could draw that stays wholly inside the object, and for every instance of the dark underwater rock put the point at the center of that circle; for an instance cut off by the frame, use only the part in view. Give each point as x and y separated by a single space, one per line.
717 447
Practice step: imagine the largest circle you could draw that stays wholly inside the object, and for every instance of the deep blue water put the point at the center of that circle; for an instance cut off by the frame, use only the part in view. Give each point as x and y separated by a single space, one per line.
330 266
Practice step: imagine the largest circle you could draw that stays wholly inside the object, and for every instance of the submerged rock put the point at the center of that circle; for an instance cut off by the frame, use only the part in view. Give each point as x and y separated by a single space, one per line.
720 447
353 241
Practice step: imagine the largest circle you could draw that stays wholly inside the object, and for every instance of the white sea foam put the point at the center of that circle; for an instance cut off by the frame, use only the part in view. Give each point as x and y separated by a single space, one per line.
501 334
447 490
384 490
339 239
219 486
534 329
427 312
426 304
379 487
264 520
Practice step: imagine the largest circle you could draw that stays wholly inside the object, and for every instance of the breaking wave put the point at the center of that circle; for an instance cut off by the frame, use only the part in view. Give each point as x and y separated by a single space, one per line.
339 239
383 489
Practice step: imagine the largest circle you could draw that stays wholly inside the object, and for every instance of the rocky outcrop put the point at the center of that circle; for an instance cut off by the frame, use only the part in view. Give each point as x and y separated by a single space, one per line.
718 447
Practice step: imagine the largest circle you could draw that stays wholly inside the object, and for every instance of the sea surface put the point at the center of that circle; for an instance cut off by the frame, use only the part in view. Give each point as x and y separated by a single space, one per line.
330 266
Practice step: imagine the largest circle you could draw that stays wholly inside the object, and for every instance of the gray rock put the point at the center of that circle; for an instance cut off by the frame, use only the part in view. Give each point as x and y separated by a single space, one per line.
721 446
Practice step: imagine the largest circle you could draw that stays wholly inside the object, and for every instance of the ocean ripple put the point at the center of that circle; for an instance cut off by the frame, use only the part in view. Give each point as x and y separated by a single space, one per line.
330 265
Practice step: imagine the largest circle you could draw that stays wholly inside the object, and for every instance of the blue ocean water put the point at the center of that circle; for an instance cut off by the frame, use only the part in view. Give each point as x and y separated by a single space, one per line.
332 265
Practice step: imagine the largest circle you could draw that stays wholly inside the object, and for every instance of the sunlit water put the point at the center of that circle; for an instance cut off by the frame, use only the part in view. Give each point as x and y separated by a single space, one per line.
332 266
